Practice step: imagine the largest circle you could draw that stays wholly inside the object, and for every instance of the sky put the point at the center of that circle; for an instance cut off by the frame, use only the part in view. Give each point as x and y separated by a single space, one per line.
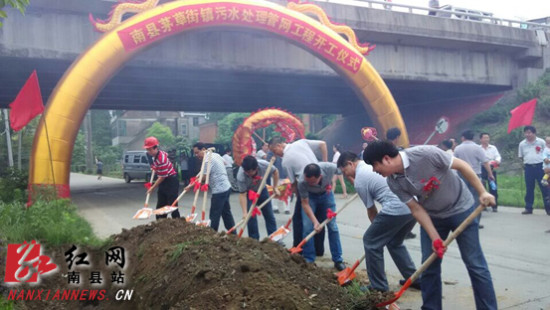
509 9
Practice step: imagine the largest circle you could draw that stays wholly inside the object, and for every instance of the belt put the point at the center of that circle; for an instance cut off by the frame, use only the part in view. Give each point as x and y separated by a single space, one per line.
533 165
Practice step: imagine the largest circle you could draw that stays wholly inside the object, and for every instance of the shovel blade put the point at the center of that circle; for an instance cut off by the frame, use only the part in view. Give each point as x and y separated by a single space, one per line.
190 217
295 250
279 234
345 276
203 223
143 214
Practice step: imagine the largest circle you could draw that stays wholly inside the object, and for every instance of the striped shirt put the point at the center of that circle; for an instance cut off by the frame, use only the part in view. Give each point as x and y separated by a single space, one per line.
162 165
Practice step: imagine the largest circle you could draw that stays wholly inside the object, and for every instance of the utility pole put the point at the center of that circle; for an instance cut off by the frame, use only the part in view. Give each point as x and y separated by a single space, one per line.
8 138
88 137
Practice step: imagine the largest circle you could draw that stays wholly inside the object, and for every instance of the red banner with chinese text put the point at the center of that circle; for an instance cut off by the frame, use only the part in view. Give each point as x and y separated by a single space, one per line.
196 16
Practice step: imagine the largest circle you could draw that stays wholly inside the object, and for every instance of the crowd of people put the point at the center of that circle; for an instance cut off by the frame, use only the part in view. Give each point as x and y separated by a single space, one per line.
438 187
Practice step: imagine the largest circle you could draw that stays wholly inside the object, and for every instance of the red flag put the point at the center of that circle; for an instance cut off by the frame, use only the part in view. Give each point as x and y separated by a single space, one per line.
27 105
522 114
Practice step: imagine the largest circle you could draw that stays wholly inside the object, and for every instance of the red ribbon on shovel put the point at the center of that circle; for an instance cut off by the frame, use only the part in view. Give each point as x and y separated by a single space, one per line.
253 196
197 186
256 211
330 214
148 185
204 188
328 188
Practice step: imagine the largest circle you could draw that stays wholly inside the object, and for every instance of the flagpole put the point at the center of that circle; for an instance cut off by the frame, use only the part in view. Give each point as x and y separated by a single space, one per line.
49 151
8 138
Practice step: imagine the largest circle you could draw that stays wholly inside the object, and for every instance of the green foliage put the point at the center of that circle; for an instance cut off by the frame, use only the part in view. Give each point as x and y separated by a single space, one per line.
227 126
13 183
177 250
6 304
52 222
511 192
495 120
78 161
163 134
101 128
16 4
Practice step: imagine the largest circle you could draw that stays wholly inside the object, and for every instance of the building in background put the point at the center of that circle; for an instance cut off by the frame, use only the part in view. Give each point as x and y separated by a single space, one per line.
129 128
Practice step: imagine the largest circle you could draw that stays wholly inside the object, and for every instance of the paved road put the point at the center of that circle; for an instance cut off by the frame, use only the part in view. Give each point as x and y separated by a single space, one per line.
516 246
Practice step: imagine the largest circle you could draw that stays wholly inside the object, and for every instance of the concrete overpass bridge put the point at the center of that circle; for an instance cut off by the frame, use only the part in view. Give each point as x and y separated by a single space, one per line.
422 59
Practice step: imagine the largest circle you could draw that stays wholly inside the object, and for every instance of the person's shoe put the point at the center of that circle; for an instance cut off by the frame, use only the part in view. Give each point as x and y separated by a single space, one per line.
340 266
287 211
481 226
415 284
527 212
495 210
319 254
410 235
276 211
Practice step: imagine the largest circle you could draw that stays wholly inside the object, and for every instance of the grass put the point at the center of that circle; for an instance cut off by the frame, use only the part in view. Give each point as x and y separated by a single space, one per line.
354 289
53 222
6 304
511 192
178 250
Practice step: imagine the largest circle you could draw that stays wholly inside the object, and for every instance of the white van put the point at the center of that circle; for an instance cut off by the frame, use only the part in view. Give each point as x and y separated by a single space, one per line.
135 165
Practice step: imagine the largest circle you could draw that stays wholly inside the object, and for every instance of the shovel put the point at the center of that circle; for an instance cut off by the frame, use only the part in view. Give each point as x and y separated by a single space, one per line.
282 232
145 212
347 275
242 221
192 216
171 208
260 189
203 222
298 248
433 257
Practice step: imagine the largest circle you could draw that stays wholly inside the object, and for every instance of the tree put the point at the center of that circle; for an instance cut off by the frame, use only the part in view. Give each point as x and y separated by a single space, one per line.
163 134
16 4
227 126
101 128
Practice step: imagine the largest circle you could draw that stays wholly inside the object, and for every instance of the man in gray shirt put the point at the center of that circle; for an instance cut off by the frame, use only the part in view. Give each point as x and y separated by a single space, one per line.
474 155
388 227
530 151
249 178
296 156
315 189
422 177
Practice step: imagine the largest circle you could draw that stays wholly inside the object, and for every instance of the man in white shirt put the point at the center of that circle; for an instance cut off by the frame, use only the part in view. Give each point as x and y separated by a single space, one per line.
262 153
530 151
493 157
228 163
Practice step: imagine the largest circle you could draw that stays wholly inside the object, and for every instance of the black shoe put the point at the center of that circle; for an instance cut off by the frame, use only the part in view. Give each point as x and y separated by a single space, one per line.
415 284
527 212
287 212
276 211
410 235
340 266
320 254
481 226
495 210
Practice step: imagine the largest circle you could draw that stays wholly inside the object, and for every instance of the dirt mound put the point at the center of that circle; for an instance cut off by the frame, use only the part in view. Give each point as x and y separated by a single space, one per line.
175 265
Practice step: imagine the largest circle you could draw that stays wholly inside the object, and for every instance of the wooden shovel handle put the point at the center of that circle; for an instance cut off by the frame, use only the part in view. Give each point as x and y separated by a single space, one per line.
148 193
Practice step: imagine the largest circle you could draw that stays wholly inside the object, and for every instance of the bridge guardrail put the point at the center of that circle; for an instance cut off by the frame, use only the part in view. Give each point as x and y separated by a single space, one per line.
476 18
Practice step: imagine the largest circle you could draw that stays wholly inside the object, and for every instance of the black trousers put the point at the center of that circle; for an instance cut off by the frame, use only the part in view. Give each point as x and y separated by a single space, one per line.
318 239
168 192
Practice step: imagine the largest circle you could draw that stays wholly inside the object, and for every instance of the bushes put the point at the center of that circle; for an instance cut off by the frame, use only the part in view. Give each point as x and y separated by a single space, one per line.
13 183
53 222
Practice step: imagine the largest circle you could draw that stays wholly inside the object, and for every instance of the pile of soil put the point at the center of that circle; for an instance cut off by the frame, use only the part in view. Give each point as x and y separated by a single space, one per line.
171 264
